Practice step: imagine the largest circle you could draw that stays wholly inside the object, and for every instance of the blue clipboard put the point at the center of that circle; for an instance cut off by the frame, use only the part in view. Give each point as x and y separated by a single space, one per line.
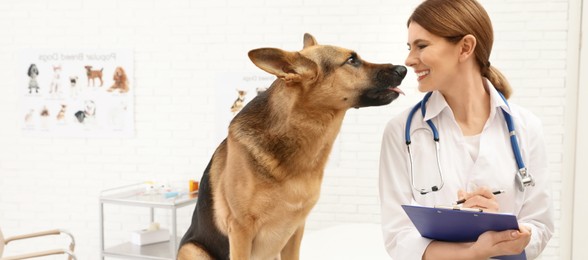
454 225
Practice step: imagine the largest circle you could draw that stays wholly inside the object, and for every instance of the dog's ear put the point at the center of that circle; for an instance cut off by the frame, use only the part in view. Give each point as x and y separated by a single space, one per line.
30 72
291 67
309 40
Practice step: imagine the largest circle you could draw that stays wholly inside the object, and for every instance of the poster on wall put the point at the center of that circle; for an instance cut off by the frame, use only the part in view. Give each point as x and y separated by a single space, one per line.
76 93
234 91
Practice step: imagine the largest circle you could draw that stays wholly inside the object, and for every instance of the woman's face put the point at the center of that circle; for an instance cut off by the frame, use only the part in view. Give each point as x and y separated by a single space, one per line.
433 58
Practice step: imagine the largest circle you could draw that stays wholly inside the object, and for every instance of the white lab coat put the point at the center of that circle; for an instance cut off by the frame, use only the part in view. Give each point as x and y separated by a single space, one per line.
495 168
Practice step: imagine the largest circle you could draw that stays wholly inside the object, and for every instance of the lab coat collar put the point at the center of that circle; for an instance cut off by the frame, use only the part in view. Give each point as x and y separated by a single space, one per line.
496 100
437 102
435 105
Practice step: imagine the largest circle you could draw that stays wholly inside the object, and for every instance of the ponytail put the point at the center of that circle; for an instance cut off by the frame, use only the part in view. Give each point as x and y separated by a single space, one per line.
498 81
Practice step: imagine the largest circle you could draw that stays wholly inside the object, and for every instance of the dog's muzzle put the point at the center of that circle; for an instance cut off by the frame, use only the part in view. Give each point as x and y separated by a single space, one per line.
391 76
386 88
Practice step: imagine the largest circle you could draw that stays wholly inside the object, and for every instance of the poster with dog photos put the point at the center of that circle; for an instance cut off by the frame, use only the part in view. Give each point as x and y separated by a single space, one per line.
235 90
76 93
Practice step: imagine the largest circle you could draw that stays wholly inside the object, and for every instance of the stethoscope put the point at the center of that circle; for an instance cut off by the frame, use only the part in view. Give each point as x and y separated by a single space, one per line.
523 178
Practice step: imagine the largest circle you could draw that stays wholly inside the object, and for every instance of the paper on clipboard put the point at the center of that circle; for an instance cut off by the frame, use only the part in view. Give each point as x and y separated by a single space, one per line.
459 225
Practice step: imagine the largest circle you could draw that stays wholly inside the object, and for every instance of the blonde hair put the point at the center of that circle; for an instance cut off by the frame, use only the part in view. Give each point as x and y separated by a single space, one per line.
454 19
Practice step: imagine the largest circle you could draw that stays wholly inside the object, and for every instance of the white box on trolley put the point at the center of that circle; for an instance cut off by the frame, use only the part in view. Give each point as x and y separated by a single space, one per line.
149 236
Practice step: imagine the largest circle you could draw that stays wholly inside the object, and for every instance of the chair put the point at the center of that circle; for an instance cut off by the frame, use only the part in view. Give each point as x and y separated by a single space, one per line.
69 252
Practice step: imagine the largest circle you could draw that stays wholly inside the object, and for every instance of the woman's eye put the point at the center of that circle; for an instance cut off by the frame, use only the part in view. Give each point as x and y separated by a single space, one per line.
422 46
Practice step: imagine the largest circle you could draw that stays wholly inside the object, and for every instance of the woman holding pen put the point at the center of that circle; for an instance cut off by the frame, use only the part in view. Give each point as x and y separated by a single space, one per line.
460 139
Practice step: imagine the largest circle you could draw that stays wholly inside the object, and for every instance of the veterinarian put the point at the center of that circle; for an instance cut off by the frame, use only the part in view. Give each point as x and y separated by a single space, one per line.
449 44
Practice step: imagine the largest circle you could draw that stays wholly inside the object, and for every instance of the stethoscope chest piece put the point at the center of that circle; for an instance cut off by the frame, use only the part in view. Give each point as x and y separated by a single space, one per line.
524 179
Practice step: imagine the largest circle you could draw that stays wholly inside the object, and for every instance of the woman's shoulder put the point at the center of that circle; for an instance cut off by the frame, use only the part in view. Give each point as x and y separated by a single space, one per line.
524 117
398 121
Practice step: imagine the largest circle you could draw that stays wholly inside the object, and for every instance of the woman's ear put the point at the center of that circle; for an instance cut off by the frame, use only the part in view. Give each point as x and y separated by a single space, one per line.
468 45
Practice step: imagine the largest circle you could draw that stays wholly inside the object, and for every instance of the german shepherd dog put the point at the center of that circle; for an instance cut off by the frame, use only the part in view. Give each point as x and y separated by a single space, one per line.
265 177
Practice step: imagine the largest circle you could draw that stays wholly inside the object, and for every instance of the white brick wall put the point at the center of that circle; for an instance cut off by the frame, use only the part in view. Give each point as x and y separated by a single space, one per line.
180 46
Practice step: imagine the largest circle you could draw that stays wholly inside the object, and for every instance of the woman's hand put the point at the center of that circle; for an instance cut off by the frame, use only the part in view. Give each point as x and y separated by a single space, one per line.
481 198
508 242
489 244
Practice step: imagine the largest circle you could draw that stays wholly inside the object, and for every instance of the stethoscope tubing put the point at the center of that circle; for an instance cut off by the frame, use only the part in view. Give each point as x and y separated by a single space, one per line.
523 177
513 136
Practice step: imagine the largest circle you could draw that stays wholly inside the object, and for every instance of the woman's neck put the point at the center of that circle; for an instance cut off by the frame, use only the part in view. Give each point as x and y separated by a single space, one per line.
470 102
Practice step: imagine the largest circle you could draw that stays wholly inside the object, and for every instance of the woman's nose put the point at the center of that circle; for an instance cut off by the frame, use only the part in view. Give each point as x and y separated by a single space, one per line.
410 60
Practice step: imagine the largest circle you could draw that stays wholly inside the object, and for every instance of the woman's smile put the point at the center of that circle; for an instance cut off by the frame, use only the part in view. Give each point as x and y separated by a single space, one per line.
421 74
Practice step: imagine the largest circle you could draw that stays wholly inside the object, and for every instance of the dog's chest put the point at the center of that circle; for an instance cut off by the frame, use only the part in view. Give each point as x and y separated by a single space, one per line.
299 195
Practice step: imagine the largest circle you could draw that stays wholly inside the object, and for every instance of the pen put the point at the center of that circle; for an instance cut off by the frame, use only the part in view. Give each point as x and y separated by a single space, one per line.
494 192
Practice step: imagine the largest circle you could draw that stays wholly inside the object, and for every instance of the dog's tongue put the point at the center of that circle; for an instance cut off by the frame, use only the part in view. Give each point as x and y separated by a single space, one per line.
397 90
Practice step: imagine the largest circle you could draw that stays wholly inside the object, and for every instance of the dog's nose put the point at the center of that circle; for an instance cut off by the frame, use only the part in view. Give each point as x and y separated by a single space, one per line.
400 71
391 73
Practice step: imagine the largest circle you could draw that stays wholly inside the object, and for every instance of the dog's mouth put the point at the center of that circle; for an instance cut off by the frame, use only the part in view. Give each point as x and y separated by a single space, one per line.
396 89
386 89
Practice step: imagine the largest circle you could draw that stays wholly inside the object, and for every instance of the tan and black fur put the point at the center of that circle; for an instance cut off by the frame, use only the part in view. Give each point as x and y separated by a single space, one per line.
265 177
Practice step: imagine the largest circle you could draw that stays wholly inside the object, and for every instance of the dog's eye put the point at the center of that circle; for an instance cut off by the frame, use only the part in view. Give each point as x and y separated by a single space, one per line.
353 60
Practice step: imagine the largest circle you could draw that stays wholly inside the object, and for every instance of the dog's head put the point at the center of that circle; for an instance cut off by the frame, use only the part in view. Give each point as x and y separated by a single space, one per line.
33 71
120 75
73 80
90 108
337 74
241 93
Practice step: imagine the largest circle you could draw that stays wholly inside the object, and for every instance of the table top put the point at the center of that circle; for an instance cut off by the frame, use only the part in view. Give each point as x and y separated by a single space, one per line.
137 194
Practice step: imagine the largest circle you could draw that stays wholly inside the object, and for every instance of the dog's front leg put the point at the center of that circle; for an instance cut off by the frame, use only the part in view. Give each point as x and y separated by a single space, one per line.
292 249
240 240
